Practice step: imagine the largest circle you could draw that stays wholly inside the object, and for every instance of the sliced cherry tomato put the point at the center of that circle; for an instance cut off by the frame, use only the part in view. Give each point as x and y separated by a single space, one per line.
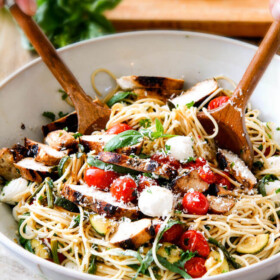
222 181
267 151
163 159
124 189
194 242
199 162
195 267
145 182
206 174
195 203
100 178
118 128
172 235
217 102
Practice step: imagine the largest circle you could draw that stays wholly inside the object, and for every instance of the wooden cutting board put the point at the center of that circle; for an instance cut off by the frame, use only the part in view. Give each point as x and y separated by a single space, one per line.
242 18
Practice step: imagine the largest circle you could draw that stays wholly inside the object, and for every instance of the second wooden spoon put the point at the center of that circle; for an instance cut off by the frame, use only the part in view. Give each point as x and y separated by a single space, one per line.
230 117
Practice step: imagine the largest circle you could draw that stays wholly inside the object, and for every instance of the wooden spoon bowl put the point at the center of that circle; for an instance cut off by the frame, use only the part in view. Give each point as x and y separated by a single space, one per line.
230 117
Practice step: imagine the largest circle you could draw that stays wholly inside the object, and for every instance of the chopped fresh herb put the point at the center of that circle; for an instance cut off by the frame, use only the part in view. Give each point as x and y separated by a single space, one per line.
258 164
76 221
228 256
207 227
178 211
266 179
277 191
167 148
77 135
149 191
278 128
168 249
64 94
260 147
190 159
189 105
49 115
232 165
65 128
143 156
120 96
61 114
145 123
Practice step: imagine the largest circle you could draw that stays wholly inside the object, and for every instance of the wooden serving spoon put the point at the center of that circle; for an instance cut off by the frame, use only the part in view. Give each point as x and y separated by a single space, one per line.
92 115
230 117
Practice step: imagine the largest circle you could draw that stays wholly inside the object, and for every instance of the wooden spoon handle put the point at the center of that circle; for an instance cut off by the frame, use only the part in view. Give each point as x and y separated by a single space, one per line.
49 55
258 65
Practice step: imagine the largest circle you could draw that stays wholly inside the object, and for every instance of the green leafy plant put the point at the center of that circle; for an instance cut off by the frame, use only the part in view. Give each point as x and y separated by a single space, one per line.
67 22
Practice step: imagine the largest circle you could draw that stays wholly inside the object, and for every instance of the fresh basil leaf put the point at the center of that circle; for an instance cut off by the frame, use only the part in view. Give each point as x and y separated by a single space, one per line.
172 267
145 263
124 139
64 94
186 256
77 135
120 96
92 161
228 256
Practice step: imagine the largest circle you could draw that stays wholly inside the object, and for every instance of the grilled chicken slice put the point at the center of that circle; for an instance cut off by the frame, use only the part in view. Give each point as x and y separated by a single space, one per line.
44 153
61 140
157 93
131 235
141 165
70 121
32 170
97 143
197 93
236 167
219 205
7 159
191 181
133 82
100 202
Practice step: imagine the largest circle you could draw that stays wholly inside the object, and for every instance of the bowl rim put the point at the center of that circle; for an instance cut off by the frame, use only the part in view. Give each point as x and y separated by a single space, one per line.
17 249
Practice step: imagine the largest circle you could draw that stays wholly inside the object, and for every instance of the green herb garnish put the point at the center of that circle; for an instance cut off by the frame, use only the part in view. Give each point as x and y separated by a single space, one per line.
145 123
189 105
120 96
49 115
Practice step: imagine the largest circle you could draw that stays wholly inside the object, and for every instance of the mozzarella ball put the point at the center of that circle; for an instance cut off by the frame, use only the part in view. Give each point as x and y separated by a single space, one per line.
274 162
155 201
181 147
271 188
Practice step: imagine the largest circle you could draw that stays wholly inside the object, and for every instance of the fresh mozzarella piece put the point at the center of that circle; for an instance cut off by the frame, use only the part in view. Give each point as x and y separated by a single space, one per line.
14 191
155 201
271 188
275 129
274 162
181 147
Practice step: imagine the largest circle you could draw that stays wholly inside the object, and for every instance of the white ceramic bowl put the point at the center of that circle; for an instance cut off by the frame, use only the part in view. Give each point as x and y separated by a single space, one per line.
192 56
